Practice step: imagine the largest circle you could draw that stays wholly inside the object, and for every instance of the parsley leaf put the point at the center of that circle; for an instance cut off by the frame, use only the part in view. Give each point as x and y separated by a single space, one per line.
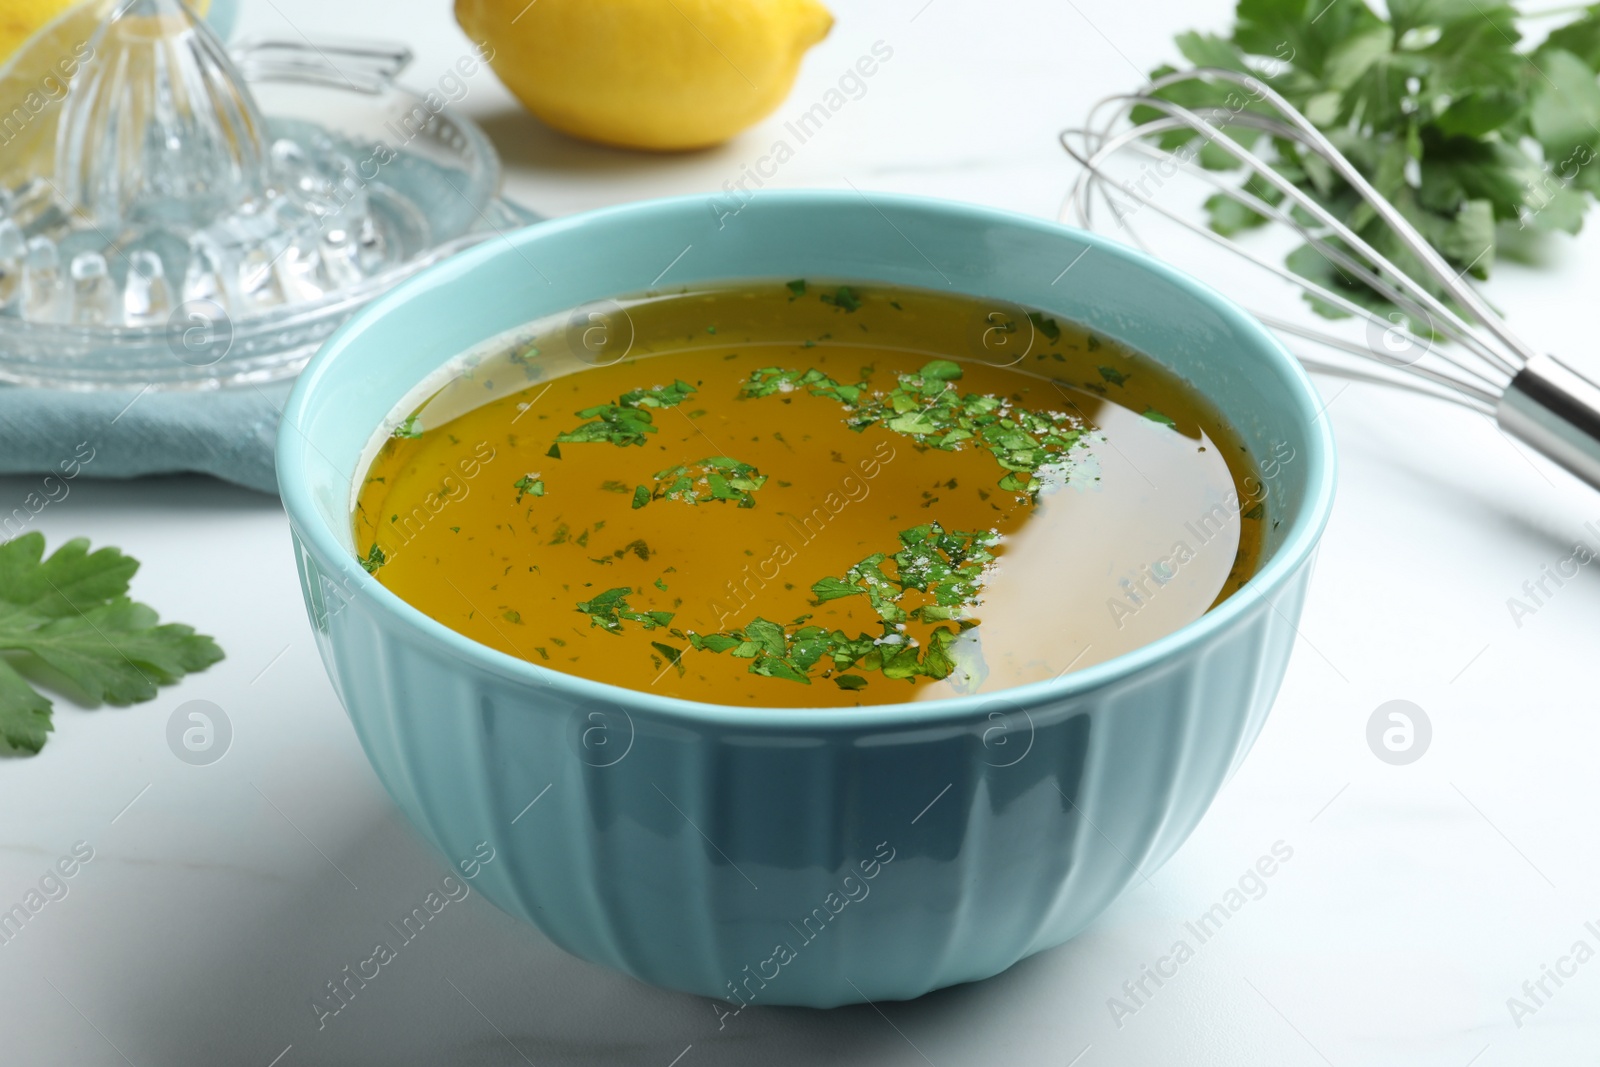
1467 129
69 613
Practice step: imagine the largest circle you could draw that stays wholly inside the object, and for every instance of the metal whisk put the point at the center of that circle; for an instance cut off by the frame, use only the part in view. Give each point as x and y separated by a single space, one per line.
1483 365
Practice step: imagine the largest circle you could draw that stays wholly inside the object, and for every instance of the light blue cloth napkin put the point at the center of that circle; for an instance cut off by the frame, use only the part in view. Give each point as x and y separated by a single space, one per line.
228 433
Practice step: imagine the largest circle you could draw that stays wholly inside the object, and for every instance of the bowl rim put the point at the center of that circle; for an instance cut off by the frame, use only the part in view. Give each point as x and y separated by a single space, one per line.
1296 550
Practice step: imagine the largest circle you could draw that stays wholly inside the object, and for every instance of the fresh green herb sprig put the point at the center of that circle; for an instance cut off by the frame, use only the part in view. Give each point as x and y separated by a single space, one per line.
627 421
1442 106
68 618
705 480
927 407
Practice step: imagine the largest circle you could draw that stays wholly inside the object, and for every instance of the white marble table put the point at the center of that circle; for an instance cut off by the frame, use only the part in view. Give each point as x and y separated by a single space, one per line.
1417 900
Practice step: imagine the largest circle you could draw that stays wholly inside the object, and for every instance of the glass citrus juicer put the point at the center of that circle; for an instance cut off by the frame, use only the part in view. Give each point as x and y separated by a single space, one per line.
173 216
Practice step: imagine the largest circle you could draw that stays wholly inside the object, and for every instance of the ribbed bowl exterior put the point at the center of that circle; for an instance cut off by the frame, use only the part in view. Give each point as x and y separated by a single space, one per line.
691 854
802 856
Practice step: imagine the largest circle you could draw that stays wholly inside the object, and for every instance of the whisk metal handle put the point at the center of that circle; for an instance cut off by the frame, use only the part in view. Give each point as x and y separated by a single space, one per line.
1556 410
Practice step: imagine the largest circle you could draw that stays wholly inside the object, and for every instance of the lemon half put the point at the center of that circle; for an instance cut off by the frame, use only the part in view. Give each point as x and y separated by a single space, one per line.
43 44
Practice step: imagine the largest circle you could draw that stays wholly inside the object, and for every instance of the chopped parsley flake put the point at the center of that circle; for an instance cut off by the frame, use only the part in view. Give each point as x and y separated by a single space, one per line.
638 547
1049 327
928 407
944 570
674 656
610 609
628 420
1155 416
948 566
845 299
714 478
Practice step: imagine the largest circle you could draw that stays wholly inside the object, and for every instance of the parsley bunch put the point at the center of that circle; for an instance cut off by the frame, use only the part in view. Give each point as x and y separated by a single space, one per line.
1447 111
67 619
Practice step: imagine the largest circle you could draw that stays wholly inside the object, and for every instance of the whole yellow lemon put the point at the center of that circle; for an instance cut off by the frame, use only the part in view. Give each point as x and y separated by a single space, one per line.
657 74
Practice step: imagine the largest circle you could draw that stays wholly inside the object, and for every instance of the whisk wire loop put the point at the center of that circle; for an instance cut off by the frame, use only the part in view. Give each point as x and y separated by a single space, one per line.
1466 354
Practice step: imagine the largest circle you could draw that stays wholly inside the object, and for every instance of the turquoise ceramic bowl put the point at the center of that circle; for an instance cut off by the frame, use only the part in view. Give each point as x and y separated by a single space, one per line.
810 857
